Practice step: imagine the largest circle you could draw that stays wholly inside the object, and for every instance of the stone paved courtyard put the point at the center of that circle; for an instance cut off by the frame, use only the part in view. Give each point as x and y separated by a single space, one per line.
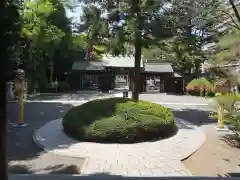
37 113
140 159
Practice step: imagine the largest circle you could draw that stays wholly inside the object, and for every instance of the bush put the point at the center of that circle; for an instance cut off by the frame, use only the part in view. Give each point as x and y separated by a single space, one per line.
227 100
119 120
233 120
198 93
201 85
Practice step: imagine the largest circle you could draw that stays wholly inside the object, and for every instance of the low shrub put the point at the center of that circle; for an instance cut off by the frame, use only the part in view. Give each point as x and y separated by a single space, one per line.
197 92
119 120
200 86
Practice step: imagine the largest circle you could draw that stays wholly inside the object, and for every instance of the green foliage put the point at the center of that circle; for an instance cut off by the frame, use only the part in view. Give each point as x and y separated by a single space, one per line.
183 47
133 25
12 27
227 100
119 120
229 45
234 120
126 23
41 38
46 46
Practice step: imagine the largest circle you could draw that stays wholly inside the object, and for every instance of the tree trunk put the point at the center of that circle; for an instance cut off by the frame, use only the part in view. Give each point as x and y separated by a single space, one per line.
138 51
3 129
3 120
235 10
136 75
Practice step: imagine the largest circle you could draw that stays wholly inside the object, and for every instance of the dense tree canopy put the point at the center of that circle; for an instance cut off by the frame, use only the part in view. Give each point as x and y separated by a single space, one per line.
40 40
43 44
126 24
12 27
190 22
228 47
172 31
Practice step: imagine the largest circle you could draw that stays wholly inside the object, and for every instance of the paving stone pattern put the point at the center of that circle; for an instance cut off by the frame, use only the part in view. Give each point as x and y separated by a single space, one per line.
159 158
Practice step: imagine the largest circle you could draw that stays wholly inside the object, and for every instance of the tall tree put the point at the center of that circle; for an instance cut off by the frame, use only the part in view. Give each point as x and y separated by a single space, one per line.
95 28
41 37
227 48
190 23
229 16
128 25
12 27
235 10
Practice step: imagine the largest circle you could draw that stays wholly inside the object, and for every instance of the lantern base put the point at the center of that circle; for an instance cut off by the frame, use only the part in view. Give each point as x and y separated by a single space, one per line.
19 125
224 129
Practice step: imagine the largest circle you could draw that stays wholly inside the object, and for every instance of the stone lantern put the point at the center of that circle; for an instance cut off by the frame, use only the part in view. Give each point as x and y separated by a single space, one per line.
20 90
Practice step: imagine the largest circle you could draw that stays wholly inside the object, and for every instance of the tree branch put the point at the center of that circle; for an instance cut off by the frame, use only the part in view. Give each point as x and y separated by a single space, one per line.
235 10
233 21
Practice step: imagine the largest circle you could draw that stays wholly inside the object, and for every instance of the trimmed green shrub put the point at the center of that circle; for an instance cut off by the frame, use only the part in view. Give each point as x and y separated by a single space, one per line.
119 120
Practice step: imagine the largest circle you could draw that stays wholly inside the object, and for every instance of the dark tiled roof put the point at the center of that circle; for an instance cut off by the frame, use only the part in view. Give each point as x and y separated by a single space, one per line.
158 67
121 62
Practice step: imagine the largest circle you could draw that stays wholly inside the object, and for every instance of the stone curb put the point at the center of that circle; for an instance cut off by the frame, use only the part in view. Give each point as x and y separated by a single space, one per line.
58 154
196 149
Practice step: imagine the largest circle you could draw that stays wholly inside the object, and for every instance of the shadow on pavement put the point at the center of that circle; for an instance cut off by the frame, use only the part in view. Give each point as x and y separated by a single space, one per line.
231 175
100 177
19 140
20 146
57 169
195 116
232 140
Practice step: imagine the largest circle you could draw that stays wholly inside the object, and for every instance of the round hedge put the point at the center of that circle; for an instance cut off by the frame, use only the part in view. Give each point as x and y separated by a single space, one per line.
119 120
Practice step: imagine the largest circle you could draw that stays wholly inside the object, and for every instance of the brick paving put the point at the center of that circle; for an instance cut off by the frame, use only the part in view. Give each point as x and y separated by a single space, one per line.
159 158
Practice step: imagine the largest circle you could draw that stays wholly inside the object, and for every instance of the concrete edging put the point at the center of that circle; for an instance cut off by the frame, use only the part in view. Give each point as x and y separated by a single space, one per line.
58 154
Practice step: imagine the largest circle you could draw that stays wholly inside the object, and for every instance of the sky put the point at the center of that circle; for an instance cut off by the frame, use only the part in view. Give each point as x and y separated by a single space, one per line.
75 14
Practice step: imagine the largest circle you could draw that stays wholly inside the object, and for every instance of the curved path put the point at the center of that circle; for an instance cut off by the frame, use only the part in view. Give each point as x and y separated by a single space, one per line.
159 158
